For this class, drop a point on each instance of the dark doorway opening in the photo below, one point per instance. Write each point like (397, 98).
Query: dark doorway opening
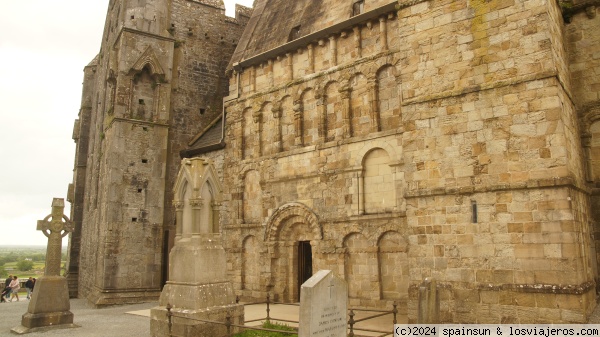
(304, 263)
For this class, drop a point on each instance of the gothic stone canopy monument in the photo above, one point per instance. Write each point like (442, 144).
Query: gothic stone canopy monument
(198, 287)
(50, 307)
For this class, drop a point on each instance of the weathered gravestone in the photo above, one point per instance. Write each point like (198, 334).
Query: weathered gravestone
(429, 303)
(50, 306)
(323, 306)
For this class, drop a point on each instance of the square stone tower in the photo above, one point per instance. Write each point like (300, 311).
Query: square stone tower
(157, 81)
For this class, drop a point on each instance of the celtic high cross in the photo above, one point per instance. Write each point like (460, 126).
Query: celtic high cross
(55, 230)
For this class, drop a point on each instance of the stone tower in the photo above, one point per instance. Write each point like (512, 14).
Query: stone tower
(157, 82)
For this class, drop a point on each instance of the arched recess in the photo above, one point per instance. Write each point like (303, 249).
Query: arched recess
(393, 266)
(250, 264)
(249, 135)
(360, 267)
(388, 98)
(359, 103)
(279, 218)
(290, 230)
(269, 130)
(146, 76)
(379, 190)
(288, 132)
(333, 109)
(197, 198)
(310, 118)
(252, 198)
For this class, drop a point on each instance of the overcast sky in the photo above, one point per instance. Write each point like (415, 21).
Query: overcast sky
(44, 46)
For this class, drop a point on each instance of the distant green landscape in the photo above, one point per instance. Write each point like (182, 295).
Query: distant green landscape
(25, 261)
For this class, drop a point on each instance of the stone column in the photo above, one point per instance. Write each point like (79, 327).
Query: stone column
(333, 50)
(50, 306)
(347, 126)
(586, 142)
(252, 76)
(322, 113)
(271, 74)
(357, 41)
(179, 218)
(298, 122)
(311, 58)
(257, 118)
(383, 34)
(290, 66)
(361, 193)
(372, 87)
(276, 110)
(216, 216)
(196, 216)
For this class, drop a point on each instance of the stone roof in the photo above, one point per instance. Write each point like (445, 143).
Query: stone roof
(273, 20)
(210, 139)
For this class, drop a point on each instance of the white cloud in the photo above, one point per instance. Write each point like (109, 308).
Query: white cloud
(44, 46)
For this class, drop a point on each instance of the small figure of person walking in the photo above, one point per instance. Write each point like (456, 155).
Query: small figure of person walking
(29, 287)
(15, 287)
(7, 285)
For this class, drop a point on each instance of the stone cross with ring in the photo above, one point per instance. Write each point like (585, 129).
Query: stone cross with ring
(55, 230)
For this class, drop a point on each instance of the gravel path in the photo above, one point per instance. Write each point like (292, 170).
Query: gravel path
(112, 321)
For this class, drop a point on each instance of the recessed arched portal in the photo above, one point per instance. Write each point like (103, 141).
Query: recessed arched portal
(294, 233)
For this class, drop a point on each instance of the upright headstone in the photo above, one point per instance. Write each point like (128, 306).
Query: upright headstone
(429, 303)
(323, 306)
(50, 306)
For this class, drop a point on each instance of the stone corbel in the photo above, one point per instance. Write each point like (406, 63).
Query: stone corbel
(590, 11)
(178, 205)
(276, 110)
(256, 116)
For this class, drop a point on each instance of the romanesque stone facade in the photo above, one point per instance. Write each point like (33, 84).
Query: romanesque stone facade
(391, 141)
(156, 83)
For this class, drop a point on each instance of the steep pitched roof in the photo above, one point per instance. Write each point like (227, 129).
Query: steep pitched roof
(272, 21)
(209, 139)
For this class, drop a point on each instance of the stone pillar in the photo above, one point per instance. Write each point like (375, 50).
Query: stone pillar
(357, 41)
(271, 74)
(361, 193)
(586, 142)
(372, 87)
(333, 50)
(298, 122)
(50, 306)
(322, 112)
(179, 218)
(252, 76)
(276, 110)
(311, 58)
(347, 126)
(196, 205)
(290, 66)
(383, 34)
(429, 303)
(257, 118)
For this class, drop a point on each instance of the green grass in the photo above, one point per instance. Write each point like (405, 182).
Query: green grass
(267, 325)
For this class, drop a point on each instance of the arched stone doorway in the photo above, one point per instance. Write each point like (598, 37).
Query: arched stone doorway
(292, 235)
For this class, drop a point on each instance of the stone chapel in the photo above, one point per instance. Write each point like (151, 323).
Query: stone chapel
(387, 141)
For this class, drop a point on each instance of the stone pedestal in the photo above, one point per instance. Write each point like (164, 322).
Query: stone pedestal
(50, 311)
(198, 289)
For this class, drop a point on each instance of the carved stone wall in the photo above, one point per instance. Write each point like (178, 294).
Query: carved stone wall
(426, 139)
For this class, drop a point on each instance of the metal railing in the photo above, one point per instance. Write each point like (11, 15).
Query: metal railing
(351, 321)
